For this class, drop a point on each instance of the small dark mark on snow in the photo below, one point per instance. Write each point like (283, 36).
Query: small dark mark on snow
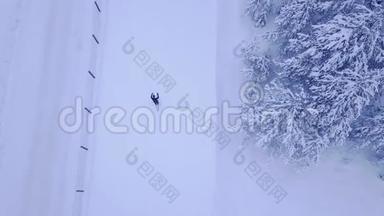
(97, 6)
(85, 148)
(89, 111)
(93, 76)
(94, 37)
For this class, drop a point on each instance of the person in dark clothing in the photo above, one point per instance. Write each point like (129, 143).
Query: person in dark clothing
(155, 99)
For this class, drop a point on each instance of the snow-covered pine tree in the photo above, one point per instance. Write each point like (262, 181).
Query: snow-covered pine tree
(260, 11)
(258, 67)
(368, 131)
(282, 125)
(330, 69)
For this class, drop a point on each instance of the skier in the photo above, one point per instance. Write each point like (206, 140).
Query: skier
(155, 99)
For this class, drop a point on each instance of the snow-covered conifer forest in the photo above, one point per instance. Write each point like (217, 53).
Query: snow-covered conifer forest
(323, 75)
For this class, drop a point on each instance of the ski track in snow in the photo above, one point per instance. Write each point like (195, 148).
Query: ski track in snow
(48, 69)
(10, 26)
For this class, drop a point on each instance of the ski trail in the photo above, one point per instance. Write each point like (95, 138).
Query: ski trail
(86, 158)
(48, 70)
(9, 33)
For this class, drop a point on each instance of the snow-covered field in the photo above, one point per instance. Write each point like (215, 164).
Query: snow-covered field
(48, 58)
(186, 51)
